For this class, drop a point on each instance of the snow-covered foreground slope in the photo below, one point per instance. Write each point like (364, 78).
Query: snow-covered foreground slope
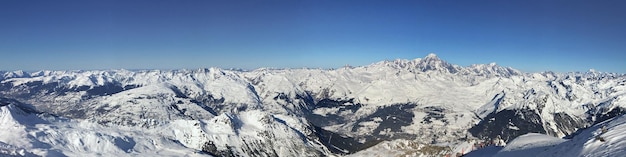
(529, 145)
(390, 106)
(603, 139)
(595, 141)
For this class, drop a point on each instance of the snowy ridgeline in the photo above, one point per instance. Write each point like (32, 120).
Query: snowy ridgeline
(415, 107)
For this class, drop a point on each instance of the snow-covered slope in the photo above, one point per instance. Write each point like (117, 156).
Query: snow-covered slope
(603, 139)
(425, 102)
(530, 144)
(253, 132)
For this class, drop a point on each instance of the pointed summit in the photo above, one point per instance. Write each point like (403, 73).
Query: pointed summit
(432, 63)
(432, 56)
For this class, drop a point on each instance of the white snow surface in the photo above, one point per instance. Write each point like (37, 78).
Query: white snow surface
(588, 143)
(156, 112)
(26, 133)
(585, 144)
(530, 144)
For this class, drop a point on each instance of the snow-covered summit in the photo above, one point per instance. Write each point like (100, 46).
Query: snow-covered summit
(492, 69)
(14, 74)
(429, 63)
(432, 63)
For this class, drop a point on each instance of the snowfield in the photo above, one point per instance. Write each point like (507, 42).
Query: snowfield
(420, 107)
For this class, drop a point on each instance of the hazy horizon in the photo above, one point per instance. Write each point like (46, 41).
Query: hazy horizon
(277, 68)
(531, 36)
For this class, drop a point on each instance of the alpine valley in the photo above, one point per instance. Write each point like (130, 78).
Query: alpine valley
(420, 107)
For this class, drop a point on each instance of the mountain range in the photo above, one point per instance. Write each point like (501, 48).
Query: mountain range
(420, 107)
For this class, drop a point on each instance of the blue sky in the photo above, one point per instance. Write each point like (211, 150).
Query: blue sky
(165, 34)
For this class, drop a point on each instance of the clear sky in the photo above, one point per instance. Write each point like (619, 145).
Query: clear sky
(532, 36)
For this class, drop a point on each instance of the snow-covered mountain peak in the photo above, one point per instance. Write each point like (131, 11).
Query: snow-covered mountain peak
(492, 69)
(14, 113)
(8, 112)
(15, 74)
(433, 63)
(212, 70)
(431, 55)
(429, 63)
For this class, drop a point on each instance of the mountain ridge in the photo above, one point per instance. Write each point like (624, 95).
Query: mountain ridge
(427, 101)
(430, 62)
